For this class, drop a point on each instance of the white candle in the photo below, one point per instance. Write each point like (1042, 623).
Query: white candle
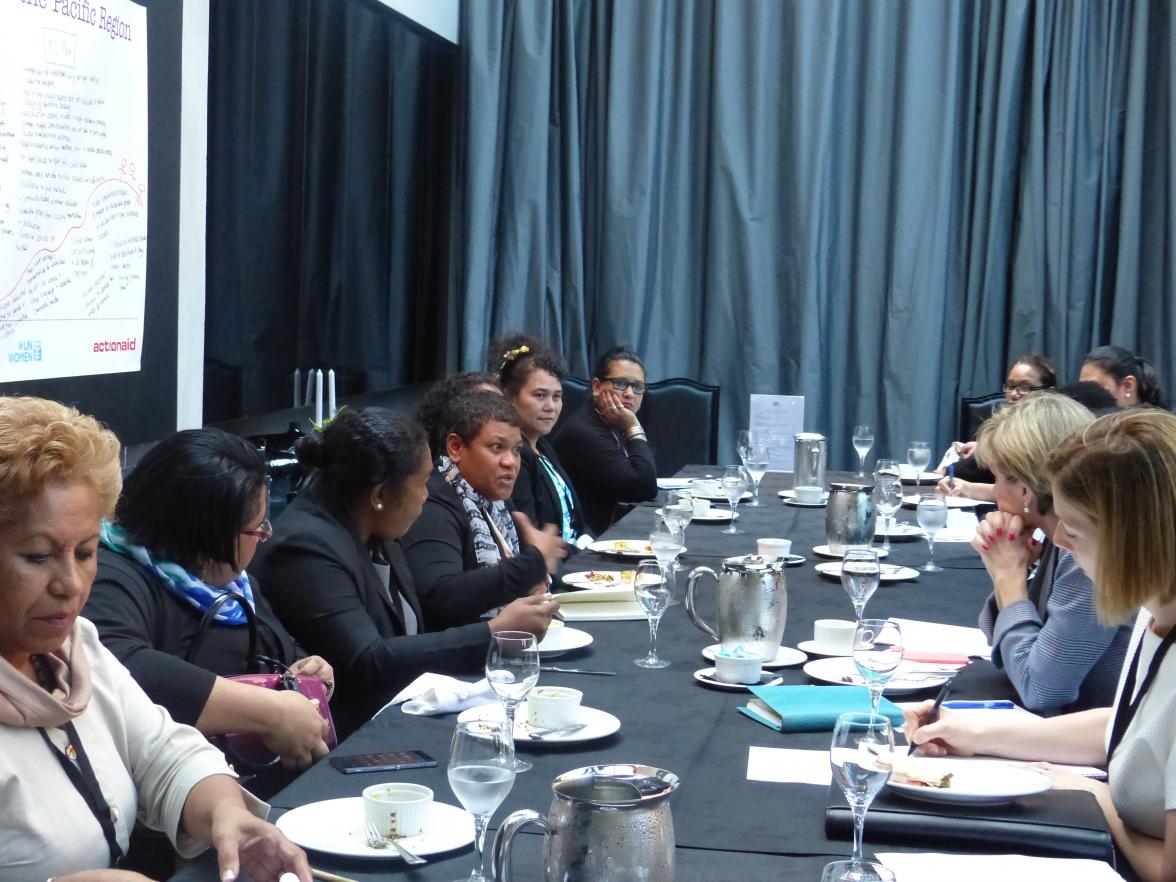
(318, 397)
(297, 384)
(331, 393)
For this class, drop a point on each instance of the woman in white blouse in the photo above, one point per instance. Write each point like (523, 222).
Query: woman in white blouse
(1114, 490)
(83, 751)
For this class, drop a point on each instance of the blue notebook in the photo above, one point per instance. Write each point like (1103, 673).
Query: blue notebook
(812, 708)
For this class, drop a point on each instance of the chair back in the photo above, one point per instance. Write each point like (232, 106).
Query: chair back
(576, 392)
(974, 411)
(681, 418)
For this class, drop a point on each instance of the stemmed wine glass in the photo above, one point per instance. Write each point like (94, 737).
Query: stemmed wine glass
(743, 444)
(918, 457)
(756, 463)
(512, 669)
(888, 500)
(861, 754)
(680, 506)
(863, 440)
(886, 470)
(931, 514)
(665, 539)
(877, 653)
(651, 587)
(860, 575)
(481, 774)
(734, 486)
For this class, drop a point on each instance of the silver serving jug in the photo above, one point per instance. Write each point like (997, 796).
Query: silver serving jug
(808, 475)
(606, 824)
(752, 602)
(850, 516)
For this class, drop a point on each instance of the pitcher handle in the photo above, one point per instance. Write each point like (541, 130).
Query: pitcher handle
(500, 852)
(690, 605)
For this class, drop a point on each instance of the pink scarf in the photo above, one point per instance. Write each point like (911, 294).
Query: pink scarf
(25, 704)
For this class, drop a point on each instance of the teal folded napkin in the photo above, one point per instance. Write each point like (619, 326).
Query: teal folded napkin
(812, 708)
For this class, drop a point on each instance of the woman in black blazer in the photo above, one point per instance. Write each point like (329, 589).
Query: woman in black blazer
(336, 576)
(531, 378)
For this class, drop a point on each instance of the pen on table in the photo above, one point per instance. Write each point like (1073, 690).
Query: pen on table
(951, 476)
(933, 714)
(1002, 704)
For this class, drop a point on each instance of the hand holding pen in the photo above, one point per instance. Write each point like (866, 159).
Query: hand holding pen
(932, 715)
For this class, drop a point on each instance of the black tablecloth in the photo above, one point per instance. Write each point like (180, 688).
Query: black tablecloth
(726, 826)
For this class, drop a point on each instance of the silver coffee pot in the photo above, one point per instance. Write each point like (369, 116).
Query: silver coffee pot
(752, 603)
(850, 516)
(606, 824)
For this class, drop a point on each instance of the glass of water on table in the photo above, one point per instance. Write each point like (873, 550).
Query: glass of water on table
(861, 755)
(680, 505)
(756, 463)
(877, 653)
(512, 670)
(651, 588)
(860, 575)
(932, 517)
(734, 486)
(919, 457)
(481, 774)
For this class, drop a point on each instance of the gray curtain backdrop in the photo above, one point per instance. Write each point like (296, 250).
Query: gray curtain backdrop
(873, 204)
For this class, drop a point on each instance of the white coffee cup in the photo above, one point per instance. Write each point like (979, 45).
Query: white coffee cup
(809, 495)
(773, 548)
(398, 809)
(701, 507)
(707, 487)
(553, 707)
(738, 668)
(834, 636)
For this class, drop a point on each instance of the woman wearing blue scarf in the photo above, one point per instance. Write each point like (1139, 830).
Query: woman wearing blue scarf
(187, 524)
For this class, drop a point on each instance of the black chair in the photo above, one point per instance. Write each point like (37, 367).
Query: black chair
(576, 392)
(681, 418)
(974, 411)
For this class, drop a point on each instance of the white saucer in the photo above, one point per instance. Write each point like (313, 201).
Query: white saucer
(706, 676)
(812, 647)
(899, 532)
(673, 483)
(712, 516)
(786, 657)
(789, 497)
(826, 551)
(561, 640)
(721, 497)
(598, 723)
(890, 572)
(335, 826)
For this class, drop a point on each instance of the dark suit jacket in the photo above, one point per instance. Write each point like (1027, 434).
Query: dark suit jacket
(535, 494)
(323, 586)
(605, 474)
(453, 589)
(149, 629)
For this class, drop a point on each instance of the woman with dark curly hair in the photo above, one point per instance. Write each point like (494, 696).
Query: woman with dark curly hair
(1131, 379)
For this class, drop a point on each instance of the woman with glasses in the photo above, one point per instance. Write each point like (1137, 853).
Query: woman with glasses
(603, 446)
(189, 520)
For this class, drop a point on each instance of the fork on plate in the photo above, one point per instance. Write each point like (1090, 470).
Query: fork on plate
(376, 839)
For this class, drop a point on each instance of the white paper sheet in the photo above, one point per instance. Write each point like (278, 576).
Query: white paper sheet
(783, 765)
(774, 421)
(932, 637)
(961, 526)
(936, 867)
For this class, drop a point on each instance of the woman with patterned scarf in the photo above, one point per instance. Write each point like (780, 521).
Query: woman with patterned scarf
(187, 524)
(468, 552)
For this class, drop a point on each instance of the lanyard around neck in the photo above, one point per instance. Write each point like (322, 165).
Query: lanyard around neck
(1128, 704)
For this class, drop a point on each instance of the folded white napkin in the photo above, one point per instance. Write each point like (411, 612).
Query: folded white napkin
(431, 694)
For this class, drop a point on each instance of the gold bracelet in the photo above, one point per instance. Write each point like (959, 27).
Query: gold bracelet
(633, 435)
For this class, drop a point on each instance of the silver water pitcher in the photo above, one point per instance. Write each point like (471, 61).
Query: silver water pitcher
(752, 603)
(850, 516)
(606, 824)
(808, 476)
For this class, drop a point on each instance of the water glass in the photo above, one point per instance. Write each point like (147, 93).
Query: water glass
(743, 443)
(886, 472)
(888, 500)
(666, 539)
(651, 588)
(734, 485)
(931, 514)
(877, 653)
(860, 575)
(481, 774)
(861, 754)
(680, 505)
(863, 440)
(512, 670)
(847, 871)
(919, 457)
(756, 464)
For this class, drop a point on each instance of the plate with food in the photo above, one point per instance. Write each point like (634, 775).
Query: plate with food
(622, 547)
(974, 782)
(336, 826)
(590, 579)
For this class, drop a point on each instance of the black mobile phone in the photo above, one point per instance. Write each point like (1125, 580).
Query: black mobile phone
(391, 761)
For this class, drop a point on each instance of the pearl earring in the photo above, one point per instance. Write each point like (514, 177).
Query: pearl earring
(380, 506)
(1026, 509)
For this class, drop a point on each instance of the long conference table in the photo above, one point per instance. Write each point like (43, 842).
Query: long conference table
(726, 826)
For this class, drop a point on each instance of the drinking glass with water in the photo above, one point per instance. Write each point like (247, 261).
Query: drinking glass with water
(481, 774)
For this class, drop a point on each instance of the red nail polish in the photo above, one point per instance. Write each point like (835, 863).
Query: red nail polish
(1000, 531)
(1012, 536)
(985, 547)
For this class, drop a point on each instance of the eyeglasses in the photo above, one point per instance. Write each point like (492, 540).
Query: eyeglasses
(621, 384)
(262, 533)
(1021, 388)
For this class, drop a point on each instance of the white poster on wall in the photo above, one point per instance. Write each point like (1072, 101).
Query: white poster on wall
(775, 422)
(73, 187)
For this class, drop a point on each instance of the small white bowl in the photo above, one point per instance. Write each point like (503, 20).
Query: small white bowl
(398, 809)
(553, 707)
(738, 669)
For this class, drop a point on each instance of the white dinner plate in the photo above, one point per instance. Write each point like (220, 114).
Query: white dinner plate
(713, 516)
(908, 477)
(898, 532)
(812, 647)
(596, 595)
(335, 826)
(786, 657)
(843, 672)
(597, 723)
(977, 782)
(635, 548)
(600, 579)
(720, 497)
(952, 502)
(673, 483)
(560, 640)
(789, 496)
(890, 572)
(706, 676)
(826, 551)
